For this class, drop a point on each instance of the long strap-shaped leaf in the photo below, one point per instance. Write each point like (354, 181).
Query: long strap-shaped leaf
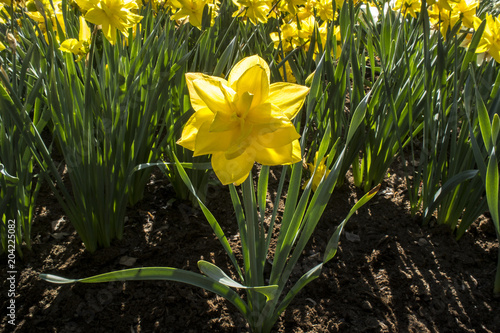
(160, 273)
(218, 275)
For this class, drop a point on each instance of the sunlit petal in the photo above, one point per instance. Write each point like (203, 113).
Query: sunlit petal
(232, 171)
(243, 75)
(193, 126)
(288, 154)
(209, 91)
(211, 142)
(254, 80)
(288, 97)
(277, 138)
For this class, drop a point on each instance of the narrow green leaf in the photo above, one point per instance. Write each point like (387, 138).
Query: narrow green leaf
(492, 188)
(159, 273)
(7, 175)
(495, 128)
(215, 273)
(449, 186)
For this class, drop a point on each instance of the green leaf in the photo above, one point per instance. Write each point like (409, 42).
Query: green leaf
(215, 273)
(6, 175)
(358, 117)
(447, 188)
(159, 273)
(484, 121)
(495, 128)
(492, 188)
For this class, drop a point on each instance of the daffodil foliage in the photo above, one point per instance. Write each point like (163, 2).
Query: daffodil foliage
(243, 120)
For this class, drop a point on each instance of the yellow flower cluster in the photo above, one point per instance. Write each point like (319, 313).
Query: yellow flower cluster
(445, 15)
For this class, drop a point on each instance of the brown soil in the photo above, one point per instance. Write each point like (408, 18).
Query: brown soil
(390, 274)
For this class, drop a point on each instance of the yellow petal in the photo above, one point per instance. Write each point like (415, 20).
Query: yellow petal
(70, 45)
(208, 90)
(251, 75)
(287, 154)
(223, 122)
(96, 16)
(288, 97)
(277, 138)
(85, 5)
(232, 171)
(212, 142)
(84, 34)
(190, 131)
(196, 102)
(267, 114)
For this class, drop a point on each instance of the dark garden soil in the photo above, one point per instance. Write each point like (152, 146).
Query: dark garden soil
(390, 273)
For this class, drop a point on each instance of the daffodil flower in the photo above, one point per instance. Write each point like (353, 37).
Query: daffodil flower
(243, 120)
(111, 15)
(490, 40)
(256, 10)
(321, 171)
(193, 11)
(80, 46)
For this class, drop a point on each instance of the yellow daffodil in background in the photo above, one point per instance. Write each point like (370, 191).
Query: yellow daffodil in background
(322, 8)
(79, 47)
(243, 120)
(52, 11)
(467, 11)
(2, 46)
(490, 40)
(443, 4)
(287, 69)
(443, 19)
(255, 10)
(321, 171)
(3, 13)
(111, 15)
(290, 6)
(192, 10)
(408, 7)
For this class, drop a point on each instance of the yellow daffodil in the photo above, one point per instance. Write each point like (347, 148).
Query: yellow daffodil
(4, 13)
(193, 11)
(2, 46)
(467, 11)
(408, 7)
(321, 171)
(51, 11)
(293, 37)
(289, 77)
(290, 6)
(80, 46)
(243, 120)
(490, 40)
(111, 15)
(255, 10)
(461, 12)
(322, 8)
